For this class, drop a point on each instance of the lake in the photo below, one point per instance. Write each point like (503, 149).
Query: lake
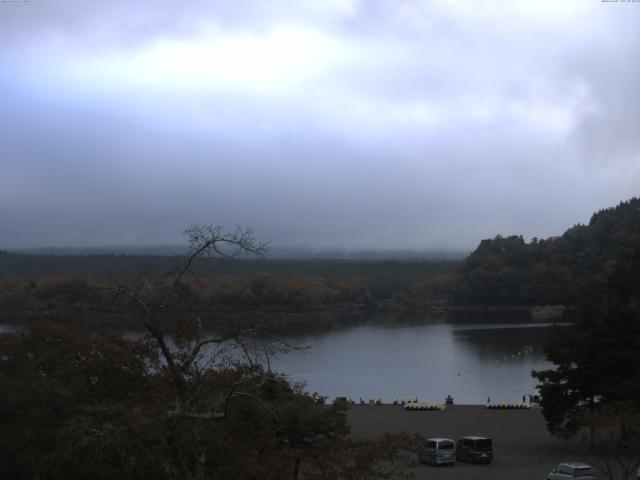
(427, 360)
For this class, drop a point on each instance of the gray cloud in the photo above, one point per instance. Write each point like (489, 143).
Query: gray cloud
(371, 124)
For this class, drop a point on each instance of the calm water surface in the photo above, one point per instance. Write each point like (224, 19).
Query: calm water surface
(427, 360)
(469, 361)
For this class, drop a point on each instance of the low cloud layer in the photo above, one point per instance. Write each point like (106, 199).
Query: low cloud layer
(357, 124)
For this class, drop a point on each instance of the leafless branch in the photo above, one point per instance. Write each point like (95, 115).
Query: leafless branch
(205, 240)
(154, 299)
(195, 351)
(612, 441)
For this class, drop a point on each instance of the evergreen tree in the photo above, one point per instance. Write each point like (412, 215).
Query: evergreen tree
(598, 358)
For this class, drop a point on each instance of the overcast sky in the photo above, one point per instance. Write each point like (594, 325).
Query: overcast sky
(332, 123)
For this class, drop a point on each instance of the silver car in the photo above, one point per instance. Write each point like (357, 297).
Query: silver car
(438, 451)
(571, 470)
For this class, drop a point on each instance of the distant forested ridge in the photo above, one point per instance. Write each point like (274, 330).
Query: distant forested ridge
(571, 269)
(290, 293)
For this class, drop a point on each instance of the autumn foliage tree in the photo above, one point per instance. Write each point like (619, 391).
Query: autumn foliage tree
(179, 403)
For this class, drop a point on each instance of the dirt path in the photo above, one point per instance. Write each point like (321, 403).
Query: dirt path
(523, 449)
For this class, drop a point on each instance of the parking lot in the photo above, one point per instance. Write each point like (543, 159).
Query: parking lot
(523, 449)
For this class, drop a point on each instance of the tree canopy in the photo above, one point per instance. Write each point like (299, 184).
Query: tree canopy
(180, 403)
(597, 359)
(570, 269)
(85, 404)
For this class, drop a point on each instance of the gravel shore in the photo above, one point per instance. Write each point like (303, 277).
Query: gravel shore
(523, 449)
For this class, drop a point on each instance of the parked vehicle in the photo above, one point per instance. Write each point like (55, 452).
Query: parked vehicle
(438, 451)
(572, 470)
(474, 449)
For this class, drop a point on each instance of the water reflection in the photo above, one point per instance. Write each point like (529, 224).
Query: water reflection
(470, 362)
(501, 343)
(424, 358)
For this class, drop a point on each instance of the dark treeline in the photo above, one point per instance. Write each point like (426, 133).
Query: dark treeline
(289, 293)
(119, 267)
(567, 270)
(571, 269)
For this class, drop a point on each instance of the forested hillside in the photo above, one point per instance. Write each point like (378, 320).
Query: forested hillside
(570, 269)
(290, 292)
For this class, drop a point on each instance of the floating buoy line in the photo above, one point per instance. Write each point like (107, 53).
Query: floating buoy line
(418, 406)
(508, 406)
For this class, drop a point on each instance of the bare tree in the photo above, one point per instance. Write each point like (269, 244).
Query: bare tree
(611, 438)
(182, 418)
(156, 299)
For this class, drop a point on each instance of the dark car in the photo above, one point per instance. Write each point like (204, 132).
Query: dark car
(474, 449)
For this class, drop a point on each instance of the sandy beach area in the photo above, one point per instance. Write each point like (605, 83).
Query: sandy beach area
(523, 449)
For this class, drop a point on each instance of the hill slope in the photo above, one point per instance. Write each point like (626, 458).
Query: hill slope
(570, 269)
